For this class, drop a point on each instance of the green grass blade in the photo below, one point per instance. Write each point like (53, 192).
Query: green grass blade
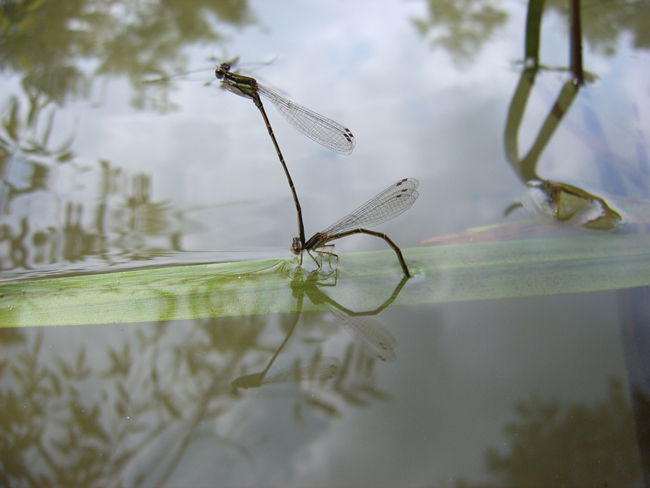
(484, 271)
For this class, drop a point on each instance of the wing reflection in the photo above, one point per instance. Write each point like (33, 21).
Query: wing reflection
(373, 337)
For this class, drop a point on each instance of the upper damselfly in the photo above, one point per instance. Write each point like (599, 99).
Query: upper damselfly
(324, 131)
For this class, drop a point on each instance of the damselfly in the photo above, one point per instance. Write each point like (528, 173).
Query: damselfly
(391, 202)
(325, 131)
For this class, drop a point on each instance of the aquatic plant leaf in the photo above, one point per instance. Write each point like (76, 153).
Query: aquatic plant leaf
(515, 268)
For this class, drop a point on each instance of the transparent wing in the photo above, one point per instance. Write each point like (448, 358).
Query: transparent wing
(324, 131)
(391, 202)
(375, 339)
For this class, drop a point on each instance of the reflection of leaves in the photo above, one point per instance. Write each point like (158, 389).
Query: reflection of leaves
(68, 421)
(46, 42)
(79, 371)
(127, 223)
(22, 134)
(89, 421)
(73, 426)
(603, 23)
(23, 418)
(137, 214)
(24, 142)
(461, 27)
(574, 445)
(120, 361)
(10, 336)
(355, 380)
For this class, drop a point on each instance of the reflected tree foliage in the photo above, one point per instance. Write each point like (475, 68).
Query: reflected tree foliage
(42, 220)
(128, 409)
(578, 444)
(26, 155)
(58, 49)
(605, 22)
(70, 421)
(460, 27)
(463, 27)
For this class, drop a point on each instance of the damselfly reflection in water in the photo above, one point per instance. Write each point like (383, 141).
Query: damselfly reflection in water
(318, 369)
(375, 339)
(391, 202)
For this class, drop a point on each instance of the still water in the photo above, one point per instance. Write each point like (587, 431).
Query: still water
(157, 331)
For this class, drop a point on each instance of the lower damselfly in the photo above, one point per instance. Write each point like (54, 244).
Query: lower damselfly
(391, 202)
(325, 131)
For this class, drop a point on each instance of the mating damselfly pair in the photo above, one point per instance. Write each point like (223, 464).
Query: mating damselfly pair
(388, 204)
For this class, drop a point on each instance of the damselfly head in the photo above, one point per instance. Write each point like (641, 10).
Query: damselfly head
(221, 71)
(296, 246)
